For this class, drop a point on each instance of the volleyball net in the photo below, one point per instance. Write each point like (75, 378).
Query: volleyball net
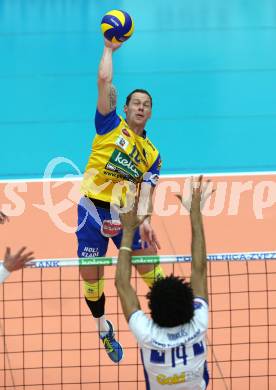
(49, 339)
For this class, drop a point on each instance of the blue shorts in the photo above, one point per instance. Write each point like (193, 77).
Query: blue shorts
(92, 241)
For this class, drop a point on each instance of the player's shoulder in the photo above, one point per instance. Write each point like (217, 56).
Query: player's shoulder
(105, 123)
(201, 313)
(150, 145)
(140, 325)
(136, 316)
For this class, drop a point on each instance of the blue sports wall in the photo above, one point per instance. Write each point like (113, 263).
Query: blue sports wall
(210, 67)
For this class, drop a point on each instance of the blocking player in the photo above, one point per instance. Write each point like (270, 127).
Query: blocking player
(122, 156)
(172, 341)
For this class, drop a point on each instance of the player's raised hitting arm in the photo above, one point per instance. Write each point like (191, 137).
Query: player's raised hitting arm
(106, 91)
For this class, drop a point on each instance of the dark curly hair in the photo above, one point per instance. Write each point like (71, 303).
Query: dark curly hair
(171, 301)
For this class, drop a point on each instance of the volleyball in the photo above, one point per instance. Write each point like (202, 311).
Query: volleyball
(117, 26)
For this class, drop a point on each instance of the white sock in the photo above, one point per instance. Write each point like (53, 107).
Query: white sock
(102, 325)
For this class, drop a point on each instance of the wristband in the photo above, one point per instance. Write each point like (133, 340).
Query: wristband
(4, 273)
(125, 248)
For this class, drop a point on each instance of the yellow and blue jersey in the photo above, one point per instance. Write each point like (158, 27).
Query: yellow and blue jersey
(118, 156)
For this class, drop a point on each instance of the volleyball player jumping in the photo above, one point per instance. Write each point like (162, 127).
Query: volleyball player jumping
(121, 156)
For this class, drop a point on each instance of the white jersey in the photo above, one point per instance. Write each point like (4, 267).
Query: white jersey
(173, 358)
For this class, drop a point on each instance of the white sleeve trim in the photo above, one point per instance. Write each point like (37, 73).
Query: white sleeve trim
(4, 273)
(202, 299)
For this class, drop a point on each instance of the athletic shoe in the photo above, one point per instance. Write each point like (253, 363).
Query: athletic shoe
(112, 346)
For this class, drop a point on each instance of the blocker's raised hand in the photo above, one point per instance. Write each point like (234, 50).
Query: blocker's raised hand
(199, 193)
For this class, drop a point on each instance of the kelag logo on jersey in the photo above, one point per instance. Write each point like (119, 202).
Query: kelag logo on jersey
(120, 162)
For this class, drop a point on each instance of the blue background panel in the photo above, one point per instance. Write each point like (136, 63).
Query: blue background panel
(210, 67)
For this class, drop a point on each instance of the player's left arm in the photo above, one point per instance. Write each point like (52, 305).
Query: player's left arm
(146, 204)
(145, 208)
(200, 192)
(128, 297)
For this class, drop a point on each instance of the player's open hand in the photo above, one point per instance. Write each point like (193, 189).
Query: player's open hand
(129, 218)
(3, 218)
(17, 261)
(199, 192)
(148, 235)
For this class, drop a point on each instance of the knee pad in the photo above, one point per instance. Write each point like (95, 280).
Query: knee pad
(93, 291)
(150, 277)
